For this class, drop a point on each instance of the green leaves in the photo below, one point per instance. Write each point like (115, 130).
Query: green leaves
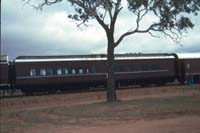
(169, 12)
(133, 5)
(172, 15)
(184, 22)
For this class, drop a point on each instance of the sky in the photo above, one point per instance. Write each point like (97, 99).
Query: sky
(27, 31)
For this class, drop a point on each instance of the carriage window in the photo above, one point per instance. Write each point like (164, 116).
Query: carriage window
(65, 71)
(155, 67)
(59, 71)
(32, 72)
(119, 69)
(188, 66)
(49, 71)
(87, 70)
(90, 70)
(80, 71)
(43, 72)
(145, 67)
(73, 71)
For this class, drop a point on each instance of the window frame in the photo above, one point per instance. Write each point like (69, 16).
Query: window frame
(59, 71)
(43, 72)
(65, 71)
(80, 71)
(32, 72)
(49, 71)
(73, 71)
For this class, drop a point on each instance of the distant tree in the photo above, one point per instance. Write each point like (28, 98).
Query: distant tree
(172, 19)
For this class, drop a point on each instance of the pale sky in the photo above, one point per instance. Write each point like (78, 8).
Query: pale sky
(26, 31)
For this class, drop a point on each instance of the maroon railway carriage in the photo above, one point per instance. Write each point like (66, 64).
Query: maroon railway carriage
(36, 72)
(52, 72)
(189, 66)
(146, 69)
(4, 80)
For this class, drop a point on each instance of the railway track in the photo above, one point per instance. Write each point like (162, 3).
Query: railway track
(21, 103)
(18, 93)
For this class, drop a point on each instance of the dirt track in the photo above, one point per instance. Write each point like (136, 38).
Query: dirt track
(184, 124)
(168, 109)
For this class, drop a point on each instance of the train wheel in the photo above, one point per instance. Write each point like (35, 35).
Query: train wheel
(27, 92)
(52, 91)
(9, 92)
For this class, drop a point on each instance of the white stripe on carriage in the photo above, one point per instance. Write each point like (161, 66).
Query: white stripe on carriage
(69, 75)
(188, 55)
(72, 75)
(154, 71)
(91, 59)
(192, 73)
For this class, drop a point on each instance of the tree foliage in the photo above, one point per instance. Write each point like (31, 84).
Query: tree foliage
(172, 19)
(172, 14)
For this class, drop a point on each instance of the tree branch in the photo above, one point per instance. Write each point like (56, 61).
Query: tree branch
(109, 9)
(174, 37)
(46, 2)
(101, 22)
(151, 27)
(116, 12)
(153, 34)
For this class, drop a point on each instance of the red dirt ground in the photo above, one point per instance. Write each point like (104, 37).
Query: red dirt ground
(183, 123)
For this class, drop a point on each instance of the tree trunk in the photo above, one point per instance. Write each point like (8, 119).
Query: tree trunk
(111, 93)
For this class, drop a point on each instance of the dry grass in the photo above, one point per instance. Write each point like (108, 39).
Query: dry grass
(88, 114)
(88, 109)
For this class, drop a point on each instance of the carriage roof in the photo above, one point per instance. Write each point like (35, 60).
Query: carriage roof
(91, 57)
